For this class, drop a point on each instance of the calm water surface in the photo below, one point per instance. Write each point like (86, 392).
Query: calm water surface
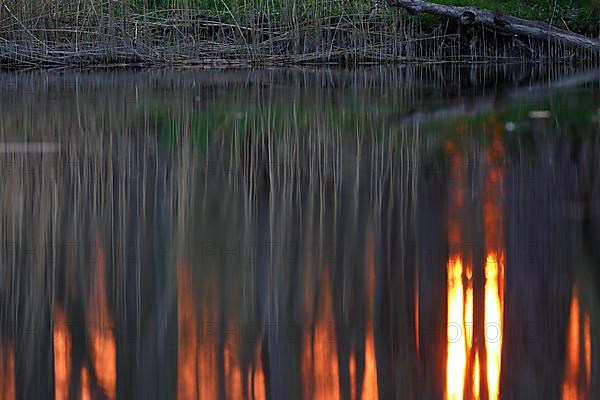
(411, 233)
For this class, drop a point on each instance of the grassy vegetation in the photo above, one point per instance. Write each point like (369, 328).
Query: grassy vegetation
(38, 32)
(576, 15)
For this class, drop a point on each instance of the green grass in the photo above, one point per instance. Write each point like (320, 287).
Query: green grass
(575, 15)
(38, 32)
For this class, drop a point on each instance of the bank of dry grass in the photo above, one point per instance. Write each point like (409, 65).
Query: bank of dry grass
(239, 32)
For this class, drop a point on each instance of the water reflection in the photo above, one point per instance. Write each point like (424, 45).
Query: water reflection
(94, 375)
(304, 234)
(494, 262)
(459, 343)
(7, 372)
(576, 382)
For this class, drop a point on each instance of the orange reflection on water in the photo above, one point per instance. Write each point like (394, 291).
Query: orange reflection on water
(570, 390)
(476, 377)
(460, 302)
(456, 351)
(204, 347)
(256, 378)
(369, 387)
(574, 386)
(494, 262)
(352, 374)
(186, 328)
(99, 327)
(103, 348)
(493, 325)
(319, 356)
(62, 356)
(456, 361)
(7, 372)
(198, 351)
(233, 373)
(196, 369)
(468, 323)
(587, 350)
(85, 384)
(417, 315)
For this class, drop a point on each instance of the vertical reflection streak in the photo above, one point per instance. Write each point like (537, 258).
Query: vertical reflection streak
(186, 325)
(7, 372)
(493, 326)
(576, 384)
(476, 377)
(86, 393)
(494, 262)
(256, 378)
(588, 351)
(370, 388)
(198, 352)
(417, 316)
(103, 347)
(233, 373)
(206, 359)
(468, 324)
(319, 359)
(457, 359)
(325, 361)
(569, 389)
(62, 356)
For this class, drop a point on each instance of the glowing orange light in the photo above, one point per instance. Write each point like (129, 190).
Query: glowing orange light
(85, 384)
(207, 346)
(370, 387)
(352, 373)
(103, 351)
(493, 326)
(494, 263)
(569, 391)
(206, 365)
(369, 379)
(417, 316)
(7, 372)
(233, 373)
(198, 354)
(468, 324)
(319, 359)
(456, 362)
(476, 378)
(186, 327)
(62, 356)
(456, 356)
(587, 350)
(256, 378)
(574, 387)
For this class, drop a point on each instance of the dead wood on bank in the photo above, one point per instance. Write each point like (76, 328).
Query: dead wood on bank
(498, 22)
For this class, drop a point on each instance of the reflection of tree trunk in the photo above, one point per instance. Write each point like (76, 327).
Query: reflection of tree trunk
(478, 105)
(499, 22)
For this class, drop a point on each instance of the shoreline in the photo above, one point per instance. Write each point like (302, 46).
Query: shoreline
(174, 38)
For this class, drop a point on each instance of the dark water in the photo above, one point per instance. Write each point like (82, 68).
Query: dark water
(412, 233)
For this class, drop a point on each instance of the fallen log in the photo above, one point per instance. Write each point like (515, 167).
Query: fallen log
(498, 21)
